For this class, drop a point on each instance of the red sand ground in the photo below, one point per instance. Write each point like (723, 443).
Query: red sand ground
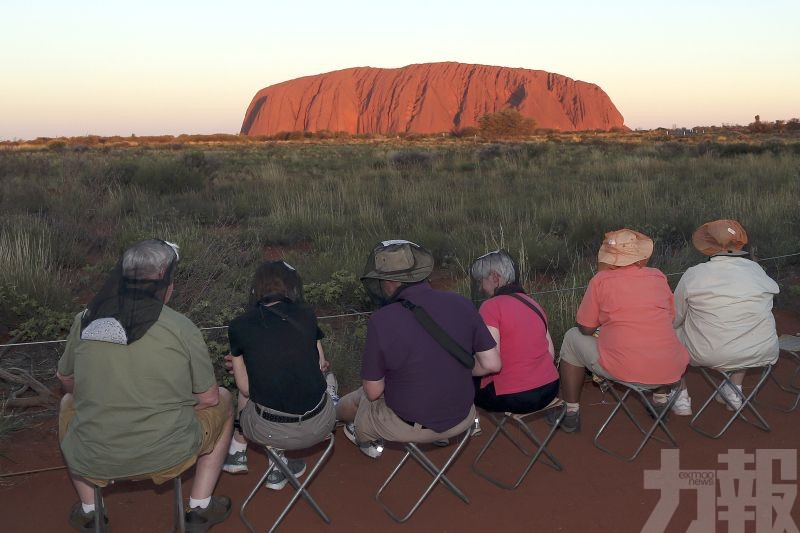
(595, 492)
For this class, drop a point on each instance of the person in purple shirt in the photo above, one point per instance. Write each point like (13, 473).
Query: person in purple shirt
(413, 389)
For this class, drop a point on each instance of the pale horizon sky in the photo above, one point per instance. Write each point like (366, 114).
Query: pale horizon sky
(150, 68)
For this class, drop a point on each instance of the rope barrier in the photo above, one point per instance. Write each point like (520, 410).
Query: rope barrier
(362, 313)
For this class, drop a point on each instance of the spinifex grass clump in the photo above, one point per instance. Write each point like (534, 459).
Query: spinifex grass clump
(66, 216)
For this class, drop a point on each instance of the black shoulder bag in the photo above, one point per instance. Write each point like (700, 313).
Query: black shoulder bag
(440, 335)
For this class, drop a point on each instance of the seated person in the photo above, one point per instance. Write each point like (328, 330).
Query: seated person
(723, 309)
(413, 389)
(277, 364)
(633, 309)
(528, 380)
(142, 401)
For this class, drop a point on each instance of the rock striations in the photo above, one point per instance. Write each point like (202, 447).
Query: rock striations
(426, 98)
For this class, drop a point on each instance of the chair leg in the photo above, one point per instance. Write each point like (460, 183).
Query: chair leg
(539, 446)
(99, 511)
(658, 421)
(249, 497)
(747, 402)
(438, 476)
(180, 517)
(791, 387)
(300, 488)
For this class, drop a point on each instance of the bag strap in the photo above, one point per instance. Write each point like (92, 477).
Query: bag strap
(286, 318)
(533, 307)
(440, 335)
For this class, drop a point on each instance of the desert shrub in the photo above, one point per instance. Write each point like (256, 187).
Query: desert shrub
(411, 159)
(164, 176)
(31, 320)
(344, 289)
(505, 124)
(461, 133)
(56, 146)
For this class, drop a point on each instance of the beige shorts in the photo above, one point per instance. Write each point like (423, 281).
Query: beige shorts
(376, 420)
(287, 435)
(212, 421)
(581, 350)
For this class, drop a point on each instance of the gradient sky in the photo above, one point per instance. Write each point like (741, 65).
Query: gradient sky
(116, 68)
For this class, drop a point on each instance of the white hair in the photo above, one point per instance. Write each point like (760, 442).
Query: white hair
(148, 259)
(497, 261)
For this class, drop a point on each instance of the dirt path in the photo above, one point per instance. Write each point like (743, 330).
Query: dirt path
(595, 492)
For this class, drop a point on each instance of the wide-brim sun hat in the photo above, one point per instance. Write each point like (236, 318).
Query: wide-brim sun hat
(624, 247)
(398, 260)
(720, 237)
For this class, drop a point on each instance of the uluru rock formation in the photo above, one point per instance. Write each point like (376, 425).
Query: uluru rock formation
(426, 98)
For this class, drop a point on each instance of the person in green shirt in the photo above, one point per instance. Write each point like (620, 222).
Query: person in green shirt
(141, 398)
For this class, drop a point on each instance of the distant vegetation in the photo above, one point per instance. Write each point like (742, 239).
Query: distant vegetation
(66, 214)
(505, 124)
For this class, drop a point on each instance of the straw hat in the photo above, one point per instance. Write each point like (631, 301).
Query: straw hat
(624, 247)
(720, 237)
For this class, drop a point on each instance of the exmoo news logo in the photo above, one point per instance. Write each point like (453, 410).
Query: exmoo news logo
(748, 492)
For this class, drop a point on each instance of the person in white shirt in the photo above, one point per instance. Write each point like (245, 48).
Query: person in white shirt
(723, 309)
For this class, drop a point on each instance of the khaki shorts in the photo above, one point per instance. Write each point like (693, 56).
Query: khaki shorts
(376, 420)
(581, 350)
(288, 435)
(212, 421)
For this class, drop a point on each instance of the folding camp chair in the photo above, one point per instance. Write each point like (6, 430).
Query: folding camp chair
(659, 416)
(790, 345)
(540, 447)
(747, 401)
(99, 508)
(276, 461)
(413, 451)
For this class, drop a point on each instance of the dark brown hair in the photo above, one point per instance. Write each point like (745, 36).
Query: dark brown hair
(276, 278)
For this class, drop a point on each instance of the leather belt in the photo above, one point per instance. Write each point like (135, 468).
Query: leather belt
(272, 417)
(410, 423)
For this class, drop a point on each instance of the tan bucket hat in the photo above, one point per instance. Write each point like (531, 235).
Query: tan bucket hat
(398, 260)
(720, 237)
(624, 247)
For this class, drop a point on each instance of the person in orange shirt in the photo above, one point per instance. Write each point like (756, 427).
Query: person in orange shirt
(624, 325)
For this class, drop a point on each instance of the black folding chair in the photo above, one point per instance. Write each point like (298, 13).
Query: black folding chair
(413, 451)
(300, 488)
(658, 416)
(738, 412)
(99, 508)
(540, 446)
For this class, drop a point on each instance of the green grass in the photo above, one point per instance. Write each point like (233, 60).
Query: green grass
(65, 216)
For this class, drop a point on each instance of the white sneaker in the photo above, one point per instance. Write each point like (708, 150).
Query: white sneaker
(372, 449)
(333, 387)
(683, 405)
(731, 399)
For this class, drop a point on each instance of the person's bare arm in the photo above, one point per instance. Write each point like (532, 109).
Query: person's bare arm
(240, 376)
(487, 362)
(67, 382)
(324, 364)
(373, 389)
(586, 330)
(207, 399)
(550, 347)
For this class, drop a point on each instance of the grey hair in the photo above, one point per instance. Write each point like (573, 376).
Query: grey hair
(149, 260)
(497, 261)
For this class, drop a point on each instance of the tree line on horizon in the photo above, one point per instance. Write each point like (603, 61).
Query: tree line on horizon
(506, 124)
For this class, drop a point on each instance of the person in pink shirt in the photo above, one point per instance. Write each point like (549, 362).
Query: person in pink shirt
(528, 380)
(624, 325)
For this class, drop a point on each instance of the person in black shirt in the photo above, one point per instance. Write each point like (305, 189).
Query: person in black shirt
(278, 364)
